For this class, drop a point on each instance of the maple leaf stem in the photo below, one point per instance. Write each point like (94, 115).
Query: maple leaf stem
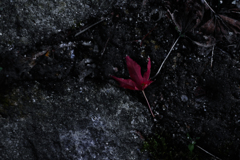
(166, 57)
(148, 103)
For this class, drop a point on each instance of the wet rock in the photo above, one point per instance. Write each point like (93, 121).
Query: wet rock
(71, 99)
(72, 124)
(27, 22)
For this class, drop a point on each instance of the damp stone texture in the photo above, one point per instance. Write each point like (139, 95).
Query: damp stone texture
(72, 121)
(24, 22)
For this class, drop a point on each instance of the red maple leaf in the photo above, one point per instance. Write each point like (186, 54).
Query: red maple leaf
(137, 81)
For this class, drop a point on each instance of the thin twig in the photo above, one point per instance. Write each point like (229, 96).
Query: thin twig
(208, 152)
(148, 103)
(166, 58)
(209, 6)
(212, 56)
(89, 27)
(105, 46)
(179, 28)
(202, 44)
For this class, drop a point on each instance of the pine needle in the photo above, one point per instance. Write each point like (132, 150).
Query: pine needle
(88, 27)
(166, 57)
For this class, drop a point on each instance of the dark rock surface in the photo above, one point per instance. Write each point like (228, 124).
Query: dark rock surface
(72, 121)
(43, 111)
(27, 22)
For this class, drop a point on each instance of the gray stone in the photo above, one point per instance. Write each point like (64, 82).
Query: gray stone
(25, 22)
(72, 121)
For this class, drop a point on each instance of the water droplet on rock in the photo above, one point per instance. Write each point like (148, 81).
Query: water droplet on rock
(184, 98)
